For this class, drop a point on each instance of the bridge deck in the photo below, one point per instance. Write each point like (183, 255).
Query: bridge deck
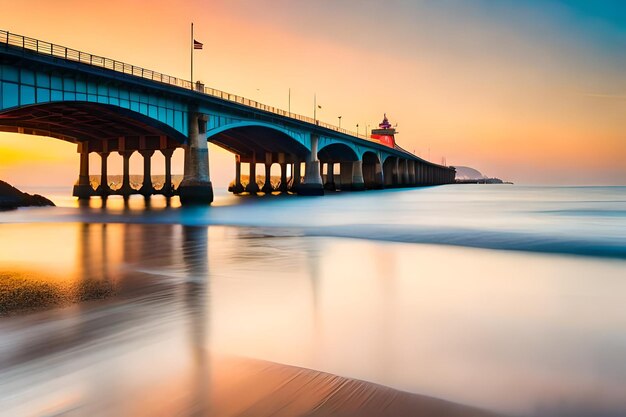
(70, 54)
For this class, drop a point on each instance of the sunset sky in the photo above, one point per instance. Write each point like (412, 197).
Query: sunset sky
(529, 91)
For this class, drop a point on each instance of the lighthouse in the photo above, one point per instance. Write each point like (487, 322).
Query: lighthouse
(385, 134)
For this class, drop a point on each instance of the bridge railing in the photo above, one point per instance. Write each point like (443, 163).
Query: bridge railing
(70, 54)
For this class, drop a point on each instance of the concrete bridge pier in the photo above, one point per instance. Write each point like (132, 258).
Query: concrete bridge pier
(312, 184)
(345, 176)
(238, 187)
(196, 187)
(412, 181)
(330, 177)
(372, 172)
(252, 186)
(103, 189)
(146, 188)
(284, 185)
(126, 190)
(380, 178)
(405, 173)
(82, 188)
(358, 184)
(396, 173)
(168, 189)
(267, 184)
(296, 175)
(284, 182)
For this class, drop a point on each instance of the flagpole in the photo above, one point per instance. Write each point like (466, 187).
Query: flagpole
(192, 55)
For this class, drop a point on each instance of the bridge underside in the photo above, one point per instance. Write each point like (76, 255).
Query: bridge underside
(337, 152)
(83, 121)
(256, 141)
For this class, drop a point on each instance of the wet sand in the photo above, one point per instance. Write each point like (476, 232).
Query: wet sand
(278, 390)
(247, 387)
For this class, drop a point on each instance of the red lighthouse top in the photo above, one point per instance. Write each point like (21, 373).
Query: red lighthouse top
(385, 134)
(385, 123)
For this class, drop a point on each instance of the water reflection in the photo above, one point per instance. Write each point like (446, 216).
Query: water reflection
(150, 311)
(195, 256)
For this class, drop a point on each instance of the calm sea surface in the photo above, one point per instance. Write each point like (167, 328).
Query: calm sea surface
(508, 298)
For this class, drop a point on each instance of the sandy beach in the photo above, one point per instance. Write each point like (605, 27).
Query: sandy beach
(265, 389)
(247, 387)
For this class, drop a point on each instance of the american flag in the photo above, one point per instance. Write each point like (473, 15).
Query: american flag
(196, 44)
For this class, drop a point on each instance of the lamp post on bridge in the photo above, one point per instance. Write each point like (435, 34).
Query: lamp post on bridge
(339, 117)
(315, 107)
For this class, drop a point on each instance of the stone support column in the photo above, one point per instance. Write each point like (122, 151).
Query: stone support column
(412, 173)
(405, 173)
(146, 188)
(330, 177)
(312, 184)
(82, 188)
(126, 190)
(196, 187)
(252, 186)
(267, 184)
(238, 187)
(297, 177)
(379, 176)
(167, 189)
(345, 176)
(358, 184)
(284, 186)
(397, 178)
(104, 190)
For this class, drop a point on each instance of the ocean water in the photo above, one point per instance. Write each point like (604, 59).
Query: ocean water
(504, 297)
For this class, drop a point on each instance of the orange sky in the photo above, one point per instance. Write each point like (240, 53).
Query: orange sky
(521, 91)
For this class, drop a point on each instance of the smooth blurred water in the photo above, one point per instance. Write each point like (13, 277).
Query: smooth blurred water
(398, 287)
(573, 220)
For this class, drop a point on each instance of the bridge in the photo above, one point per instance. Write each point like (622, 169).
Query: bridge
(106, 106)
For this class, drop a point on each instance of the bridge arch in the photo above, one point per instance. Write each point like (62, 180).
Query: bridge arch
(254, 140)
(343, 154)
(337, 152)
(80, 121)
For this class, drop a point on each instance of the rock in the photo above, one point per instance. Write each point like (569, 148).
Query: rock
(11, 197)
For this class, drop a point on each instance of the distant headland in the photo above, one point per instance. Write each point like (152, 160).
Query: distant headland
(11, 198)
(467, 175)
